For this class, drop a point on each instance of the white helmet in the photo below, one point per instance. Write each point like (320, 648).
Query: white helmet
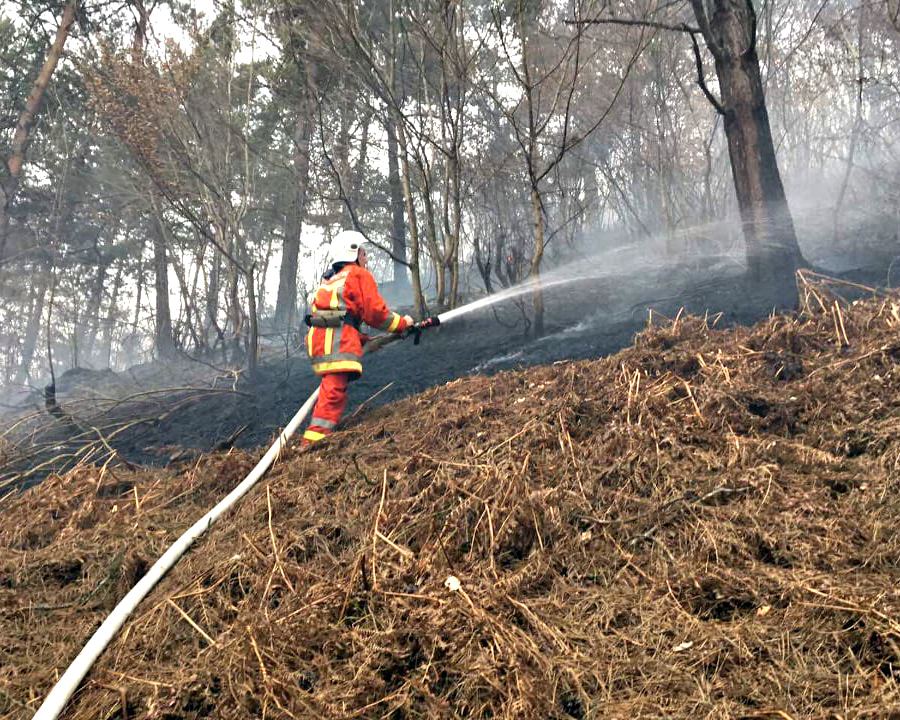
(345, 246)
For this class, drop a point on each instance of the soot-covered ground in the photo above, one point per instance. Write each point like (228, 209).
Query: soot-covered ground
(160, 414)
(702, 525)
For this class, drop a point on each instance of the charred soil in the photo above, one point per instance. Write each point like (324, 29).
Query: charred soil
(703, 525)
(172, 412)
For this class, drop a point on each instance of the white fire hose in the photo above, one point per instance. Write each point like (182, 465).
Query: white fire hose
(65, 687)
(68, 683)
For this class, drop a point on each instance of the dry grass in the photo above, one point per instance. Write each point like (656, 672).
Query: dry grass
(704, 525)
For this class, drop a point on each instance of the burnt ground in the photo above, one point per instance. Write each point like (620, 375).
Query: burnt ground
(161, 413)
(172, 413)
(701, 525)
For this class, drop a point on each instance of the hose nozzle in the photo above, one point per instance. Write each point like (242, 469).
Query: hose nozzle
(428, 322)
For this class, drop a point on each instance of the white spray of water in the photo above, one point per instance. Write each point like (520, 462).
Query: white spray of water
(508, 294)
(610, 264)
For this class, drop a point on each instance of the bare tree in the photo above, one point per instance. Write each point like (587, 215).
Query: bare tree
(286, 302)
(444, 63)
(165, 345)
(372, 57)
(858, 121)
(38, 296)
(9, 185)
(186, 123)
(542, 118)
(729, 28)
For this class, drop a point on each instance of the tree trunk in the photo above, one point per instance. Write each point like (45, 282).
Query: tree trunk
(398, 231)
(709, 204)
(196, 301)
(253, 330)
(531, 163)
(347, 105)
(90, 322)
(484, 266)
(395, 182)
(456, 229)
(110, 321)
(418, 304)
(435, 253)
(286, 304)
(140, 290)
(9, 186)
(165, 346)
(444, 299)
(437, 260)
(857, 127)
(188, 310)
(212, 296)
(31, 330)
(772, 247)
(73, 359)
(263, 272)
(359, 169)
(234, 313)
(773, 254)
(537, 255)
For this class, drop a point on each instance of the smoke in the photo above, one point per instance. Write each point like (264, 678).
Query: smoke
(860, 229)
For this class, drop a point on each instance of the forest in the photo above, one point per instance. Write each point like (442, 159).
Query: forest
(172, 172)
(645, 461)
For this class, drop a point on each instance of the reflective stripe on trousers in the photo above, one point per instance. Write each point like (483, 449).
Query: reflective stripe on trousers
(329, 406)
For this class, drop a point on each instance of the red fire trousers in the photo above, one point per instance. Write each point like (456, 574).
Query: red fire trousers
(329, 406)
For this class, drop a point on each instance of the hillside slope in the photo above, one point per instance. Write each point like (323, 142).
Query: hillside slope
(703, 525)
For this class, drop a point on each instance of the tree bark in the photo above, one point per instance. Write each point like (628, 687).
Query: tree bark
(431, 242)
(165, 346)
(484, 266)
(253, 333)
(140, 289)
(532, 161)
(90, 322)
(857, 127)
(189, 311)
(212, 296)
(109, 322)
(341, 152)
(395, 182)
(418, 305)
(456, 228)
(536, 257)
(359, 169)
(398, 230)
(234, 311)
(773, 254)
(9, 186)
(31, 330)
(286, 303)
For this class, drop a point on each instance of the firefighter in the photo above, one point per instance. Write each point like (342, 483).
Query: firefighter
(347, 298)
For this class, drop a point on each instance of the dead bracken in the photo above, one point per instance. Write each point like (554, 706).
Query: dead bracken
(703, 525)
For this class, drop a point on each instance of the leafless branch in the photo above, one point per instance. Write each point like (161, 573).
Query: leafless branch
(751, 11)
(343, 195)
(701, 80)
(705, 29)
(633, 22)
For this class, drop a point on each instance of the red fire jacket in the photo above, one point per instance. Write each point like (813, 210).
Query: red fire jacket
(339, 349)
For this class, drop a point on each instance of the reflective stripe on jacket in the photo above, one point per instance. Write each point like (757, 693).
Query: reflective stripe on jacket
(339, 349)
